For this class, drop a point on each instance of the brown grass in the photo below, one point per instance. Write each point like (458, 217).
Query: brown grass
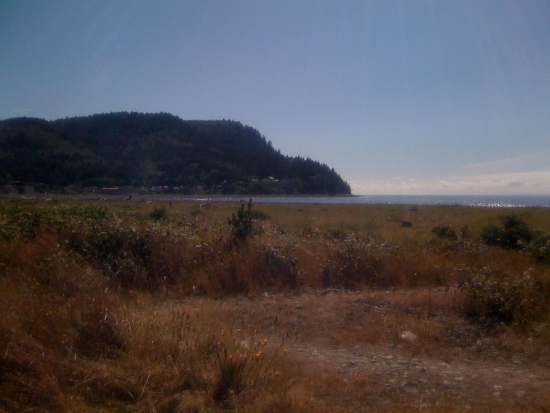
(119, 312)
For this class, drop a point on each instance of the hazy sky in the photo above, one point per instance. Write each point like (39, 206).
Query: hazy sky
(400, 97)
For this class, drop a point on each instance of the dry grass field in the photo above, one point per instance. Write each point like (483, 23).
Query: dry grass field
(128, 306)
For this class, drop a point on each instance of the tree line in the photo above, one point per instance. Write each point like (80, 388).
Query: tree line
(137, 149)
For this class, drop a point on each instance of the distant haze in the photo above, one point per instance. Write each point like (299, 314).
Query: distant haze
(399, 97)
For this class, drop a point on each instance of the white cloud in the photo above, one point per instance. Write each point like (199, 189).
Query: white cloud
(524, 163)
(518, 183)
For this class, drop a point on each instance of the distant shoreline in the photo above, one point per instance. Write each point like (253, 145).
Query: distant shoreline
(494, 201)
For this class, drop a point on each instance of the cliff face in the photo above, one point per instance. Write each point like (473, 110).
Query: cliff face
(156, 149)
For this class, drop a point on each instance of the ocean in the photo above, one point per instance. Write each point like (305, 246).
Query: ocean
(502, 201)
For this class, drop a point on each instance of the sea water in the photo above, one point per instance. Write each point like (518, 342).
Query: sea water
(464, 200)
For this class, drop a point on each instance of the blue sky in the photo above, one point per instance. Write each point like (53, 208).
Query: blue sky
(400, 97)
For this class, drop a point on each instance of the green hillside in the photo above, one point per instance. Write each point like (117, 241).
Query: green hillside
(144, 150)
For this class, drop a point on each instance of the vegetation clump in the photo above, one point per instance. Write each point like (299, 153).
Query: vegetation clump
(242, 224)
(445, 232)
(496, 298)
(513, 234)
(159, 214)
(539, 246)
(516, 234)
(20, 224)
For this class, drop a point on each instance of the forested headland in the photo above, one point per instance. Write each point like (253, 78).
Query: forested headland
(137, 150)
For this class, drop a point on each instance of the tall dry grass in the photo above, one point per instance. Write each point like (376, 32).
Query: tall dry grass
(70, 343)
(86, 322)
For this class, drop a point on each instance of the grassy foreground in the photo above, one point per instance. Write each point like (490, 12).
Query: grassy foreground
(129, 306)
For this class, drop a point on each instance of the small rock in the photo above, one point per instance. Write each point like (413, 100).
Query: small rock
(459, 378)
(498, 388)
(408, 336)
(410, 390)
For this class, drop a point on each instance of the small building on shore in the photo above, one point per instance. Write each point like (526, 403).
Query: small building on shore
(110, 191)
(28, 189)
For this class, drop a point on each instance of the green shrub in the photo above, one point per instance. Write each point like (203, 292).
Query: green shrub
(242, 224)
(496, 298)
(337, 233)
(445, 232)
(20, 224)
(159, 214)
(260, 215)
(122, 251)
(513, 234)
(540, 246)
(351, 266)
(89, 211)
(492, 235)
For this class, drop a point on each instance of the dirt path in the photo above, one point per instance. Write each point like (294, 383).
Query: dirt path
(424, 379)
(358, 337)
(474, 372)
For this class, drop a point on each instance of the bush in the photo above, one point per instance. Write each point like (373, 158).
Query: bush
(279, 269)
(351, 267)
(20, 224)
(513, 234)
(88, 211)
(260, 215)
(540, 246)
(445, 232)
(495, 298)
(159, 214)
(251, 267)
(123, 252)
(242, 223)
